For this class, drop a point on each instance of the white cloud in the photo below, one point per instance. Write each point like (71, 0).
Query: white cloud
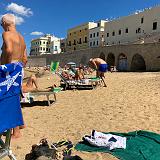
(19, 9)
(19, 20)
(36, 33)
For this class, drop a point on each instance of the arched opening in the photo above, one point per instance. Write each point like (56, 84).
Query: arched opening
(122, 62)
(138, 63)
(111, 59)
(102, 56)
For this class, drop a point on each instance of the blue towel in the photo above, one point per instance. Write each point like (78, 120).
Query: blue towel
(10, 87)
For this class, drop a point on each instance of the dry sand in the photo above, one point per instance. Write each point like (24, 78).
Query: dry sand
(130, 102)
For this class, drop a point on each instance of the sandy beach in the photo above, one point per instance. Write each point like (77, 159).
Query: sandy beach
(129, 102)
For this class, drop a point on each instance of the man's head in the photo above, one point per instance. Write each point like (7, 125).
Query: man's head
(8, 20)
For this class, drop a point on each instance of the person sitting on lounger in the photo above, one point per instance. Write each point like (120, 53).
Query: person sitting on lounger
(79, 75)
(32, 85)
(100, 66)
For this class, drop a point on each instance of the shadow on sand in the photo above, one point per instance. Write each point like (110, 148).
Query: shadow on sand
(36, 103)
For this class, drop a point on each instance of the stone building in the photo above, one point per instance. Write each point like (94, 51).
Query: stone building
(77, 37)
(46, 44)
(133, 28)
(96, 35)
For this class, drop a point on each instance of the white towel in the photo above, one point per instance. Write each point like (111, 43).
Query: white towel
(106, 140)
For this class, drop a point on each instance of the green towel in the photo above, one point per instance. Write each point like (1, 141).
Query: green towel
(54, 66)
(141, 145)
(57, 89)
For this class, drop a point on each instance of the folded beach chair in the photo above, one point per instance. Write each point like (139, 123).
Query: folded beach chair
(54, 67)
(10, 109)
(30, 96)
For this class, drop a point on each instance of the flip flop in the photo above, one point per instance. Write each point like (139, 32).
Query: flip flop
(68, 150)
(61, 143)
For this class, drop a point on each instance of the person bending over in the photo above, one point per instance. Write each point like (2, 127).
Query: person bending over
(100, 66)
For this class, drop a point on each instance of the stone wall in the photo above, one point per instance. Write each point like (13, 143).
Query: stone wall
(135, 54)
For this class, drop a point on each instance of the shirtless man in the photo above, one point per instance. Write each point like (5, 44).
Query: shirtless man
(100, 66)
(13, 49)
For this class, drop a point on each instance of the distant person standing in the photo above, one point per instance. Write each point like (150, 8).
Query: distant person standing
(13, 49)
(100, 66)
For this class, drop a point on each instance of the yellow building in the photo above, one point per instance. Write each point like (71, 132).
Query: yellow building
(77, 37)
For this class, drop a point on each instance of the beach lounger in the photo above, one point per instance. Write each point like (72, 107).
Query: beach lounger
(75, 84)
(29, 97)
(10, 109)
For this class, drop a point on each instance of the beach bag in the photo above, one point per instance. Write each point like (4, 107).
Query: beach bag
(42, 151)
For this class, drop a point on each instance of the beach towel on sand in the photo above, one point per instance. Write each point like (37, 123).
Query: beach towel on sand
(141, 145)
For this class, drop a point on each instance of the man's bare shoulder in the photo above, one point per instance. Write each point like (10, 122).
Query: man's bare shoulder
(6, 34)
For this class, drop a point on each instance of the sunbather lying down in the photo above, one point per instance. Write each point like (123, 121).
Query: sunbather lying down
(32, 85)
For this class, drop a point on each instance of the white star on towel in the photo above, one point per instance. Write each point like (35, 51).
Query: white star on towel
(3, 67)
(10, 81)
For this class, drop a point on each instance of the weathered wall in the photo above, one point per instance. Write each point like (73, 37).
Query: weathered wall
(148, 52)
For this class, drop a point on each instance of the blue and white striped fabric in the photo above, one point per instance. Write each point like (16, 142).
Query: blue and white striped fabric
(10, 87)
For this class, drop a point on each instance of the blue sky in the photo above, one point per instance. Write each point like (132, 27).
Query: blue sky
(56, 16)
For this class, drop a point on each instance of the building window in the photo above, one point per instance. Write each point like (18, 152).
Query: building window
(74, 48)
(40, 42)
(97, 43)
(90, 43)
(47, 49)
(154, 25)
(107, 34)
(94, 43)
(113, 33)
(139, 30)
(44, 42)
(126, 30)
(97, 34)
(94, 34)
(119, 32)
(55, 48)
(47, 42)
(90, 35)
(85, 40)
(43, 49)
(70, 34)
(69, 43)
(142, 20)
(102, 35)
(80, 30)
(74, 42)
(98, 25)
(80, 41)
(119, 42)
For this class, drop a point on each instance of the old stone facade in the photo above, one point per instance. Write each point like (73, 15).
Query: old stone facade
(134, 57)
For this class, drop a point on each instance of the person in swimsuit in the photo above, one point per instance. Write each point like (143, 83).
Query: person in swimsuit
(13, 49)
(100, 66)
(32, 85)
